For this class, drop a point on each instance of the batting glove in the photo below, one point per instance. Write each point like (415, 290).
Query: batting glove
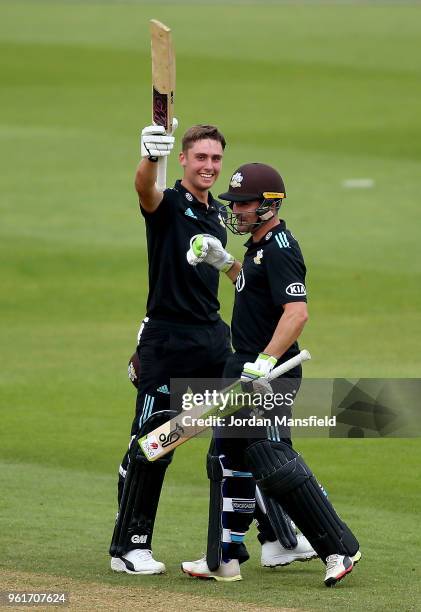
(256, 373)
(208, 249)
(155, 143)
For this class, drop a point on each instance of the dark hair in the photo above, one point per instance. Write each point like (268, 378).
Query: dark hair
(200, 132)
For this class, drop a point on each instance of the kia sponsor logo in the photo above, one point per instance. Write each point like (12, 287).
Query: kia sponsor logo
(296, 289)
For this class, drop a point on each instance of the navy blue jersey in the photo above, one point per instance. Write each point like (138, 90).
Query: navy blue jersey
(273, 274)
(177, 291)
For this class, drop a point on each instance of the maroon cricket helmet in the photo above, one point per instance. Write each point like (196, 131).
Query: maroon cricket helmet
(255, 181)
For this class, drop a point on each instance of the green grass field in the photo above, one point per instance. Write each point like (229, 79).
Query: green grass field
(326, 92)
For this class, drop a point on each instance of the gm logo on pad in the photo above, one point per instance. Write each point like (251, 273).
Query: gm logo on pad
(296, 289)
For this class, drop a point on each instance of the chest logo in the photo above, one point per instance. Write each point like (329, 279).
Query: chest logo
(189, 197)
(296, 289)
(240, 282)
(236, 180)
(221, 220)
(268, 235)
(190, 213)
(259, 257)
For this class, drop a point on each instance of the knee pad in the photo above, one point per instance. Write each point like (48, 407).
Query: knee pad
(141, 492)
(277, 467)
(283, 475)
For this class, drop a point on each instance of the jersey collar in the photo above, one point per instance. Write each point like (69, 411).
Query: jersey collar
(190, 198)
(268, 236)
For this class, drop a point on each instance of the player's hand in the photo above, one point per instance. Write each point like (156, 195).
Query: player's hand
(155, 143)
(208, 249)
(257, 372)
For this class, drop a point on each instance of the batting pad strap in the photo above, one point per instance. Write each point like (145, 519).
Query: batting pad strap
(236, 474)
(214, 467)
(215, 474)
(232, 536)
(239, 504)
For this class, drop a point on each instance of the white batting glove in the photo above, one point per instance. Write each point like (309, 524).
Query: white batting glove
(155, 143)
(256, 373)
(208, 249)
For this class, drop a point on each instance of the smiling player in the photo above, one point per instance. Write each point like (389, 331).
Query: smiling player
(183, 334)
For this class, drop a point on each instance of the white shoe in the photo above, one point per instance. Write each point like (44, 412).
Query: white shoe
(338, 566)
(137, 561)
(226, 572)
(274, 554)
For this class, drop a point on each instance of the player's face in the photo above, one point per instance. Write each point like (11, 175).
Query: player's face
(202, 163)
(245, 213)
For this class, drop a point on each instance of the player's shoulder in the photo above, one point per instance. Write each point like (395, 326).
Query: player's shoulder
(172, 194)
(171, 197)
(281, 241)
(221, 208)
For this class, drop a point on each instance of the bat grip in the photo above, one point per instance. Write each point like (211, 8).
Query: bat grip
(303, 355)
(161, 179)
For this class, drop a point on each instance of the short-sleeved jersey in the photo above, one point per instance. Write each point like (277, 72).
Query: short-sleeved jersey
(179, 292)
(273, 274)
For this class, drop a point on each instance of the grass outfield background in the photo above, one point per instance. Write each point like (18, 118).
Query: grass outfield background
(326, 92)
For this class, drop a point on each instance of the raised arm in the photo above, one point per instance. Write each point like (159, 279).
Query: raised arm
(145, 183)
(154, 144)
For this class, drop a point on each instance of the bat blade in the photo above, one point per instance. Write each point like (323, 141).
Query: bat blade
(171, 434)
(163, 75)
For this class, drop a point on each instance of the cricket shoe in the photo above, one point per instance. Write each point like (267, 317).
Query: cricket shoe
(274, 554)
(227, 572)
(137, 561)
(337, 567)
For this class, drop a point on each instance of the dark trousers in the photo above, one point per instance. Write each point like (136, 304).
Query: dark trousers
(171, 351)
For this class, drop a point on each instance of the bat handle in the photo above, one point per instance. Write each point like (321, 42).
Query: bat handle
(303, 355)
(161, 179)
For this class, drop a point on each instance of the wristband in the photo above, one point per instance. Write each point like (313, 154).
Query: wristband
(228, 265)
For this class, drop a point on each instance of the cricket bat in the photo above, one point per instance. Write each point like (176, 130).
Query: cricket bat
(163, 87)
(171, 434)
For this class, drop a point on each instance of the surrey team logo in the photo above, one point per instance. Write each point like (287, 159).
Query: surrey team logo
(189, 197)
(236, 180)
(258, 259)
